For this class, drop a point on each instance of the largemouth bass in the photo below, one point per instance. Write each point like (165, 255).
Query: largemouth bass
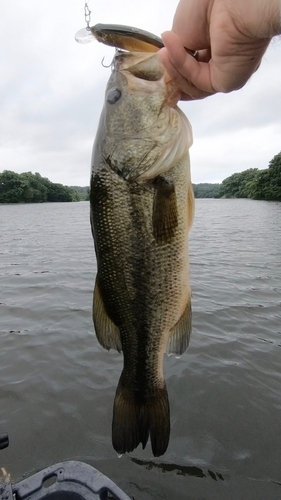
(141, 211)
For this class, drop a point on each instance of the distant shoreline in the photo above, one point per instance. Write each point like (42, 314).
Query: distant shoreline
(251, 184)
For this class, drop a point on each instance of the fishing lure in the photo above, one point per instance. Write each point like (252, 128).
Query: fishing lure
(120, 36)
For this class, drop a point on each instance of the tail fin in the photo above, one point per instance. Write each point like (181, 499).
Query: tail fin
(133, 421)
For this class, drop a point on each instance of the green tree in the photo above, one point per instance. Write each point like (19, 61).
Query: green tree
(83, 192)
(268, 183)
(11, 187)
(87, 196)
(32, 188)
(206, 190)
(58, 192)
(239, 185)
(35, 191)
(253, 183)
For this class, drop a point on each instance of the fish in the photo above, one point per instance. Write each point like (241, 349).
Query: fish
(124, 37)
(120, 36)
(141, 211)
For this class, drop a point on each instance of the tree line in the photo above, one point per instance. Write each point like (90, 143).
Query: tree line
(32, 188)
(83, 192)
(251, 183)
(206, 190)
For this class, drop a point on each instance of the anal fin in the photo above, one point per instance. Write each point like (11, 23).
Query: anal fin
(107, 332)
(180, 334)
(165, 212)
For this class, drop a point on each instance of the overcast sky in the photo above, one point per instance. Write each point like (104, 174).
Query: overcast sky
(52, 88)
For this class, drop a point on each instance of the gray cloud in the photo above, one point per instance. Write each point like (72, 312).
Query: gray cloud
(52, 91)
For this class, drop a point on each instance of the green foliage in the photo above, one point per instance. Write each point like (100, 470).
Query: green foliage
(58, 192)
(275, 163)
(83, 192)
(32, 188)
(253, 183)
(12, 187)
(206, 190)
(239, 185)
(268, 185)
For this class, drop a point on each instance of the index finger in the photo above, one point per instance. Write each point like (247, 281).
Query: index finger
(189, 91)
(196, 72)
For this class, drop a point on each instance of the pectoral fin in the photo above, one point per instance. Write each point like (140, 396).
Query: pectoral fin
(165, 212)
(179, 336)
(107, 332)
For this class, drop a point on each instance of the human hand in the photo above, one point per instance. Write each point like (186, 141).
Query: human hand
(230, 38)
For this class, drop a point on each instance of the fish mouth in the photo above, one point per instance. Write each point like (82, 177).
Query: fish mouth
(145, 73)
(140, 64)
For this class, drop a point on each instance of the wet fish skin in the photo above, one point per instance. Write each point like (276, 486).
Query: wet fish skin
(141, 211)
(126, 37)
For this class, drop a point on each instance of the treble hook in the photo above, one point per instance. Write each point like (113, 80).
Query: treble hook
(104, 65)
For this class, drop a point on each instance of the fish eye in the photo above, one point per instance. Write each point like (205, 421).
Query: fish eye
(113, 95)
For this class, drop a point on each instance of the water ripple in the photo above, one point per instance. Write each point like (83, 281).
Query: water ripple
(57, 384)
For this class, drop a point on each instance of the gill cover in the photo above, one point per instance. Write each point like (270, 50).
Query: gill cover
(145, 134)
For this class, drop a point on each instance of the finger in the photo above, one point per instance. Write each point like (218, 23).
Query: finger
(196, 72)
(189, 91)
(191, 24)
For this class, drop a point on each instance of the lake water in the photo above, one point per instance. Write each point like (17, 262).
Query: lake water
(57, 384)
